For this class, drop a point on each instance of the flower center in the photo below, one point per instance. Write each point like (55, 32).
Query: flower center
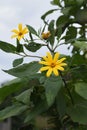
(20, 34)
(53, 65)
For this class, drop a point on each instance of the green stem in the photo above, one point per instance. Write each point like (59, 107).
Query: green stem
(69, 93)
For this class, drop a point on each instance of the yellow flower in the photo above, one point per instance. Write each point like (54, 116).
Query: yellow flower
(46, 35)
(52, 64)
(20, 32)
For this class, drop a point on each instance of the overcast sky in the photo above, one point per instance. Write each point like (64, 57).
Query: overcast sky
(13, 12)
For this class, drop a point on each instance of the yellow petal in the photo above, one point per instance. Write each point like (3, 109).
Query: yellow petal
(15, 31)
(63, 64)
(14, 36)
(45, 58)
(56, 56)
(49, 56)
(61, 60)
(44, 63)
(59, 68)
(55, 71)
(20, 27)
(25, 30)
(44, 68)
(49, 72)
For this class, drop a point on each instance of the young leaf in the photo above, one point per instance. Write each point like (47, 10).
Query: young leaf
(17, 62)
(47, 13)
(32, 30)
(7, 47)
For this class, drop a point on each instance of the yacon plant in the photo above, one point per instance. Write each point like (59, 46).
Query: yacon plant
(49, 93)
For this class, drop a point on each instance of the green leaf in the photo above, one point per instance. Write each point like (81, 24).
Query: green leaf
(71, 33)
(47, 13)
(11, 87)
(33, 46)
(78, 59)
(81, 89)
(61, 104)
(79, 73)
(56, 2)
(7, 47)
(25, 70)
(79, 2)
(17, 62)
(81, 45)
(37, 110)
(52, 86)
(66, 10)
(12, 111)
(51, 39)
(78, 113)
(24, 96)
(61, 21)
(32, 30)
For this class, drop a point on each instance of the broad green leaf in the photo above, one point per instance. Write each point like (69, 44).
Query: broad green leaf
(11, 87)
(25, 70)
(37, 110)
(52, 86)
(81, 16)
(81, 45)
(79, 73)
(71, 33)
(66, 10)
(17, 62)
(24, 97)
(79, 2)
(78, 59)
(61, 104)
(81, 89)
(7, 47)
(61, 21)
(78, 113)
(13, 110)
(32, 30)
(47, 13)
(33, 46)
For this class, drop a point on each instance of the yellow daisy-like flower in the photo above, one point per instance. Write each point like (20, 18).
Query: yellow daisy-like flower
(46, 35)
(20, 32)
(52, 64)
